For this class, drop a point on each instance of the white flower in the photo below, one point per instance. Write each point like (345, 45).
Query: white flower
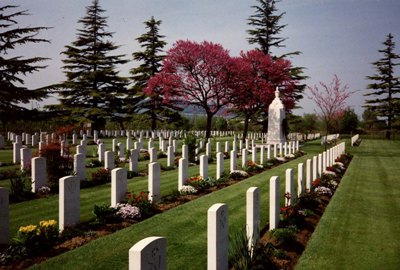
(240, 172)
(323, 191)
(44, 190)
(329, 173)
(186, 189)
(127, 211)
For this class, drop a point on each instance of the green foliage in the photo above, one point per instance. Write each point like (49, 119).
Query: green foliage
(349, 122)
(94, 163)
(386, 85)
(101, 176)
(308, 200)
(240, 257)
(35, 238)
(284, 235)
(20, 186)
(105, 214)
(147, 208)
(14, 68)
(190, 141)
(57, 166)
(93, 91)
(15, 252)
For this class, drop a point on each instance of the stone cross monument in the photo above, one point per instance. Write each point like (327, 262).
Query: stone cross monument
(276, 115)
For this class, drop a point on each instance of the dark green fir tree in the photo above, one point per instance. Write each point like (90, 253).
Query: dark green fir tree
(14, 69)
(93, 91)
(150, 59)
(385, 89)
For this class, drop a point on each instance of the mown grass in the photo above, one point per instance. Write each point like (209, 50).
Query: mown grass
(185, 228)
(360, 229)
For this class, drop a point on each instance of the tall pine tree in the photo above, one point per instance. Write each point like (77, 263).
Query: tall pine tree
(151, 58)
(93, 91)
(386, 86)
(13, 69)
(266, 33)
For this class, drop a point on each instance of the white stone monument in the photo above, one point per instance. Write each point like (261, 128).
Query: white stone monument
(276, 115)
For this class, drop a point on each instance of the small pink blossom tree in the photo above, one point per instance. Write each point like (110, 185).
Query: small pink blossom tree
(331, 100)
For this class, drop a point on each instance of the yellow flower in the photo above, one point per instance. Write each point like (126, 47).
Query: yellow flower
(27, 229)
(48, 223)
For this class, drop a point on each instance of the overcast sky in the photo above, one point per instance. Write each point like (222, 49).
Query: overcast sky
(335, 36)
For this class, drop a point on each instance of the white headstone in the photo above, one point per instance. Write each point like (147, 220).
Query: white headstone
(183, 172)
(185, 151)
(274, 206)
(121, 151)
(69, 202)
(204, 166)
(262, 154)
(100, 151)
(289, 187)
(4, 216)
(26, 156)
(17, 152)
(79, 166)
(254, 154)
(109, 162)
(217, 237)
(314, 168)
(308, 174)
(320, 166)
(170, 156)
(149, 254)
(220, 165)
(154, 181)
(133, 160)
(119, 185)
(253, 216)
(244, 157)
(153, 155)
(300, 179)
(38, 170)
(233, 161)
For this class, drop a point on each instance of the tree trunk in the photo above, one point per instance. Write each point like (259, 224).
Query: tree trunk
(153, 121)
(265, 126)
(245, 128)
(209, 122)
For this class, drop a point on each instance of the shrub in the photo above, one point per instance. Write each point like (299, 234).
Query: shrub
(101, 176)
(105, 214)
(15, 252)
(147, 208)
(323, 191)
(57, 166)
(127, 211)
(284, 235)
(35, 237)
(309, 200)
(20, 188)
(95, 163)
(190, 141)
(241, 257)
(186, 189)
(253, 167)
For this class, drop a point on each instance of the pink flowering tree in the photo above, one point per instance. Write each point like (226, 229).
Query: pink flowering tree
(331, 100)
(258, 75)
(198, 74)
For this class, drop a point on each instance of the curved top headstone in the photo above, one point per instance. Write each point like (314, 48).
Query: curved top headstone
(276, 115)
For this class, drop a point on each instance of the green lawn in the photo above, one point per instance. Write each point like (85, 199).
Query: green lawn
(185, 228)
(360, 228)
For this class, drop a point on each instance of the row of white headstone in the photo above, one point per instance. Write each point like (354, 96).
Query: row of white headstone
(69, 188)
(329, 138)
(151, 251)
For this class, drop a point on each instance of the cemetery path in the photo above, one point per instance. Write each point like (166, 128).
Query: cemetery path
(185, 228)
(360, 228)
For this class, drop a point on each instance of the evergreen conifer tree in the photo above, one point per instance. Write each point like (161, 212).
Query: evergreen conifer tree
(386, 86)
(13, 68)
(151, 59)
(266, 34)
(93, 91)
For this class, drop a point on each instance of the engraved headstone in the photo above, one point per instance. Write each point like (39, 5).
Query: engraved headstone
(69, 202)
(119, 185)
(217, 237)
(149, 254)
